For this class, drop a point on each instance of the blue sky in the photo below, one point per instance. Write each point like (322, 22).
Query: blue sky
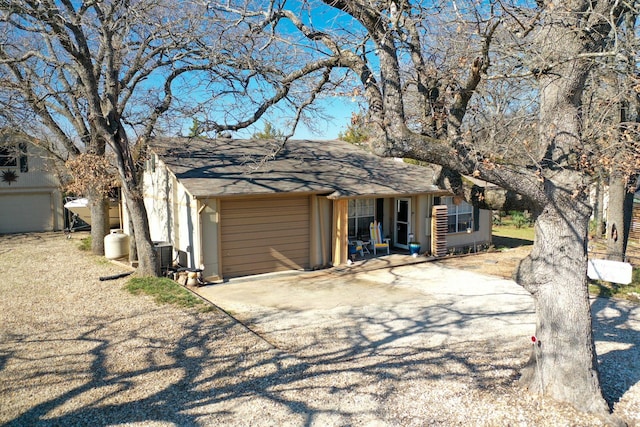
(337, 109)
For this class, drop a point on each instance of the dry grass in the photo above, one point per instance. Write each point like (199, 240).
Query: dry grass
(78, 351)
(501, 263)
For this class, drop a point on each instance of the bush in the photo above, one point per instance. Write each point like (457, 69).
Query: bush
(519, 219)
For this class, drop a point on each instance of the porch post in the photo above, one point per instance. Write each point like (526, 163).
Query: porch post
(340, 228)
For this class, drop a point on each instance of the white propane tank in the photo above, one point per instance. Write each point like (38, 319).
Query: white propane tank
(116, 244)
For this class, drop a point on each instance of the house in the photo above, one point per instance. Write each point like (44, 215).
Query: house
(634, 231)
(30, 197)
(244, 207)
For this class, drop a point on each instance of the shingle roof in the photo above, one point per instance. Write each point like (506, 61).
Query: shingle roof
(231, 167)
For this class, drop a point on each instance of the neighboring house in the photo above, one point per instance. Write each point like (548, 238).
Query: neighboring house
(30, 197)
(634, 232)
(237, 208)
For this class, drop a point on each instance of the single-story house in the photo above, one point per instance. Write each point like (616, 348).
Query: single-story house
(244, 207)
(30, 196)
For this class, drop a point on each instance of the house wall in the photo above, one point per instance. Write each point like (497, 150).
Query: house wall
(420, 209)
(194, 226)
(422, 221)
(173, 214)
(480, 237)
(34, 201)
(159, 188)
(208, 250)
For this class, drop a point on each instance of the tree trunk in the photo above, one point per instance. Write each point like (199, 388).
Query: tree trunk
(615, 217)
(132, 192)
(133, 249)
(563, 361)
(99, 205)
(598, 210)
(147, 256)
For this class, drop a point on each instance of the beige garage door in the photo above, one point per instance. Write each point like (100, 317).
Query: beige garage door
(20, 213)
(264, 235)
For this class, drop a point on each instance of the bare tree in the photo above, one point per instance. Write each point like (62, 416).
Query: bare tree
(449, 62)
(93, 77)
(611, 110)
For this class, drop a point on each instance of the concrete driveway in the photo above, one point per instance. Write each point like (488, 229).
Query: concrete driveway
(393, 311)
(422, 304)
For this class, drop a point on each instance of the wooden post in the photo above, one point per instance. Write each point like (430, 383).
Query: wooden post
(340, 232)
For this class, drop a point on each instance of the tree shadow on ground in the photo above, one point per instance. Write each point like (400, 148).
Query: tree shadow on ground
(619, 353)
(218, 373)
(204, 378)
(509, 242)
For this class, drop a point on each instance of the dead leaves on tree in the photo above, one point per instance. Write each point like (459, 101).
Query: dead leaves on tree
(91, 172)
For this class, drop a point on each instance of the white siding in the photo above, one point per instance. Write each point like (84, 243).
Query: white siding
(33, 202)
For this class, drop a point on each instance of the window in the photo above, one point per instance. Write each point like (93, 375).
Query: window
(459, 217)
(361, 214)
(7, 157)
(14, 156)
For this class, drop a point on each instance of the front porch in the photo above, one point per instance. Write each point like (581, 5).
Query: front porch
(368, 261)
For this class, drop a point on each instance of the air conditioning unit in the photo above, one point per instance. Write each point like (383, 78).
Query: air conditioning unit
(164, 255)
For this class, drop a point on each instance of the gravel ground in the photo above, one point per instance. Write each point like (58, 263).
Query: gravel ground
(78, 351)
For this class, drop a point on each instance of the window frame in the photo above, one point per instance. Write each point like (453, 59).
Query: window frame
(14, 157)
(358, 212)
(8, 159)
(459, 213)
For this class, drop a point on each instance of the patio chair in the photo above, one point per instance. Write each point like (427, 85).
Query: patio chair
(356, 247)
(377, 242)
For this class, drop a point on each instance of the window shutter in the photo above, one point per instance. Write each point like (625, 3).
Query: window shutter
(476, 218)
(24, 165)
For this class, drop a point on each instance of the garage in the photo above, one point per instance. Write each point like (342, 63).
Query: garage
(263, 235)
(26, 212)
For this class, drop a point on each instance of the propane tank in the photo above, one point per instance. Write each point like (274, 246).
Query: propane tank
(116, 244)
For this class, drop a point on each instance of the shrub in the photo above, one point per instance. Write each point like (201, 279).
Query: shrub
(519, 219)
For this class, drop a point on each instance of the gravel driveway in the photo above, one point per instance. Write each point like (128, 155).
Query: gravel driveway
(415, 345)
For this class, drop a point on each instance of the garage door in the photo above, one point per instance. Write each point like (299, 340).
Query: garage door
(264, 235)
(20, 213)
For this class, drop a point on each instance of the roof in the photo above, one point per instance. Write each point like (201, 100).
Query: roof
(232, 167)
